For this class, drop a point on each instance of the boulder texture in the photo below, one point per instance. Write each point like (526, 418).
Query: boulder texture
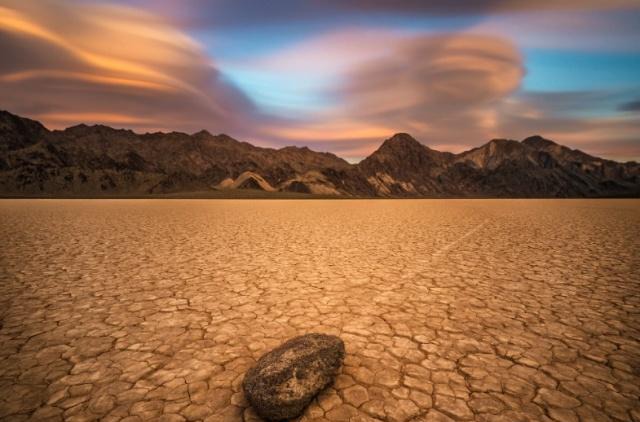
(285, 380)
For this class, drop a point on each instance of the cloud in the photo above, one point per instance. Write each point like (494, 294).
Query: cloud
(607, 30)
(432, 76)
(440, 88)
(229, 13)
(447, 7)
(451, 91)
(74, 62)
(630, 106)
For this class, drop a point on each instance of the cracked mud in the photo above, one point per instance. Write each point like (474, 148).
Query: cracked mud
(450, 310)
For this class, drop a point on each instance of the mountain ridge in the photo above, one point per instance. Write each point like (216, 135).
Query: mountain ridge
(98, 160)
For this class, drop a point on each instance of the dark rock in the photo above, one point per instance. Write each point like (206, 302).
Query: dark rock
(119, 162)
(297, 186)
(285, 380)
(171, 162)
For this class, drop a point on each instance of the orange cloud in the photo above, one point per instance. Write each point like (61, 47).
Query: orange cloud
(66, 57)
(68, 119)
(85, 77)
(330, 132)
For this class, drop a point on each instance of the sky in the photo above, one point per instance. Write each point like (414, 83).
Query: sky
(334, 75)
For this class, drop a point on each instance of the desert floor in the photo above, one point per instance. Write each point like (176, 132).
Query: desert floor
(486, 310)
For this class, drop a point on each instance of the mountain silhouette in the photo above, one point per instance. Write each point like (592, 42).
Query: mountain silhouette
(95, 161)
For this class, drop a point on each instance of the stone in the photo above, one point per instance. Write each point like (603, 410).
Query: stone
(201, 303)
(284, 381)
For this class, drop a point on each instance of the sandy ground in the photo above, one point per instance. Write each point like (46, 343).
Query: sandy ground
(486, 310)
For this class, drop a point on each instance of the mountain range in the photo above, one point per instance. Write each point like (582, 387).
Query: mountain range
(100, 161)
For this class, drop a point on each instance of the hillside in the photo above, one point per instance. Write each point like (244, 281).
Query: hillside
(90, 161)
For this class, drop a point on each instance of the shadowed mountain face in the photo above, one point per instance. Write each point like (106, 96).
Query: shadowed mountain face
(102, 161)
(99, 160)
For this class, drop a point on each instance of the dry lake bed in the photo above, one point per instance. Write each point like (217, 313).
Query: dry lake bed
(486, 310)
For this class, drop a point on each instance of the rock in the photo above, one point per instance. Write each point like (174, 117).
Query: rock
(297, 186)
(285, 380)
(98, 160)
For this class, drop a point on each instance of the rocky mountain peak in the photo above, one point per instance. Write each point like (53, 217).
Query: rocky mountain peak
(538, 142)
(399, 147)
(202, 134)
(17, 132)
(83, 130)
(99, 160)
(9, 121)
(401, 140)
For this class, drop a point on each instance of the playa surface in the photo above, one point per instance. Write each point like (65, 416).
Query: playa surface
(486, 310)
